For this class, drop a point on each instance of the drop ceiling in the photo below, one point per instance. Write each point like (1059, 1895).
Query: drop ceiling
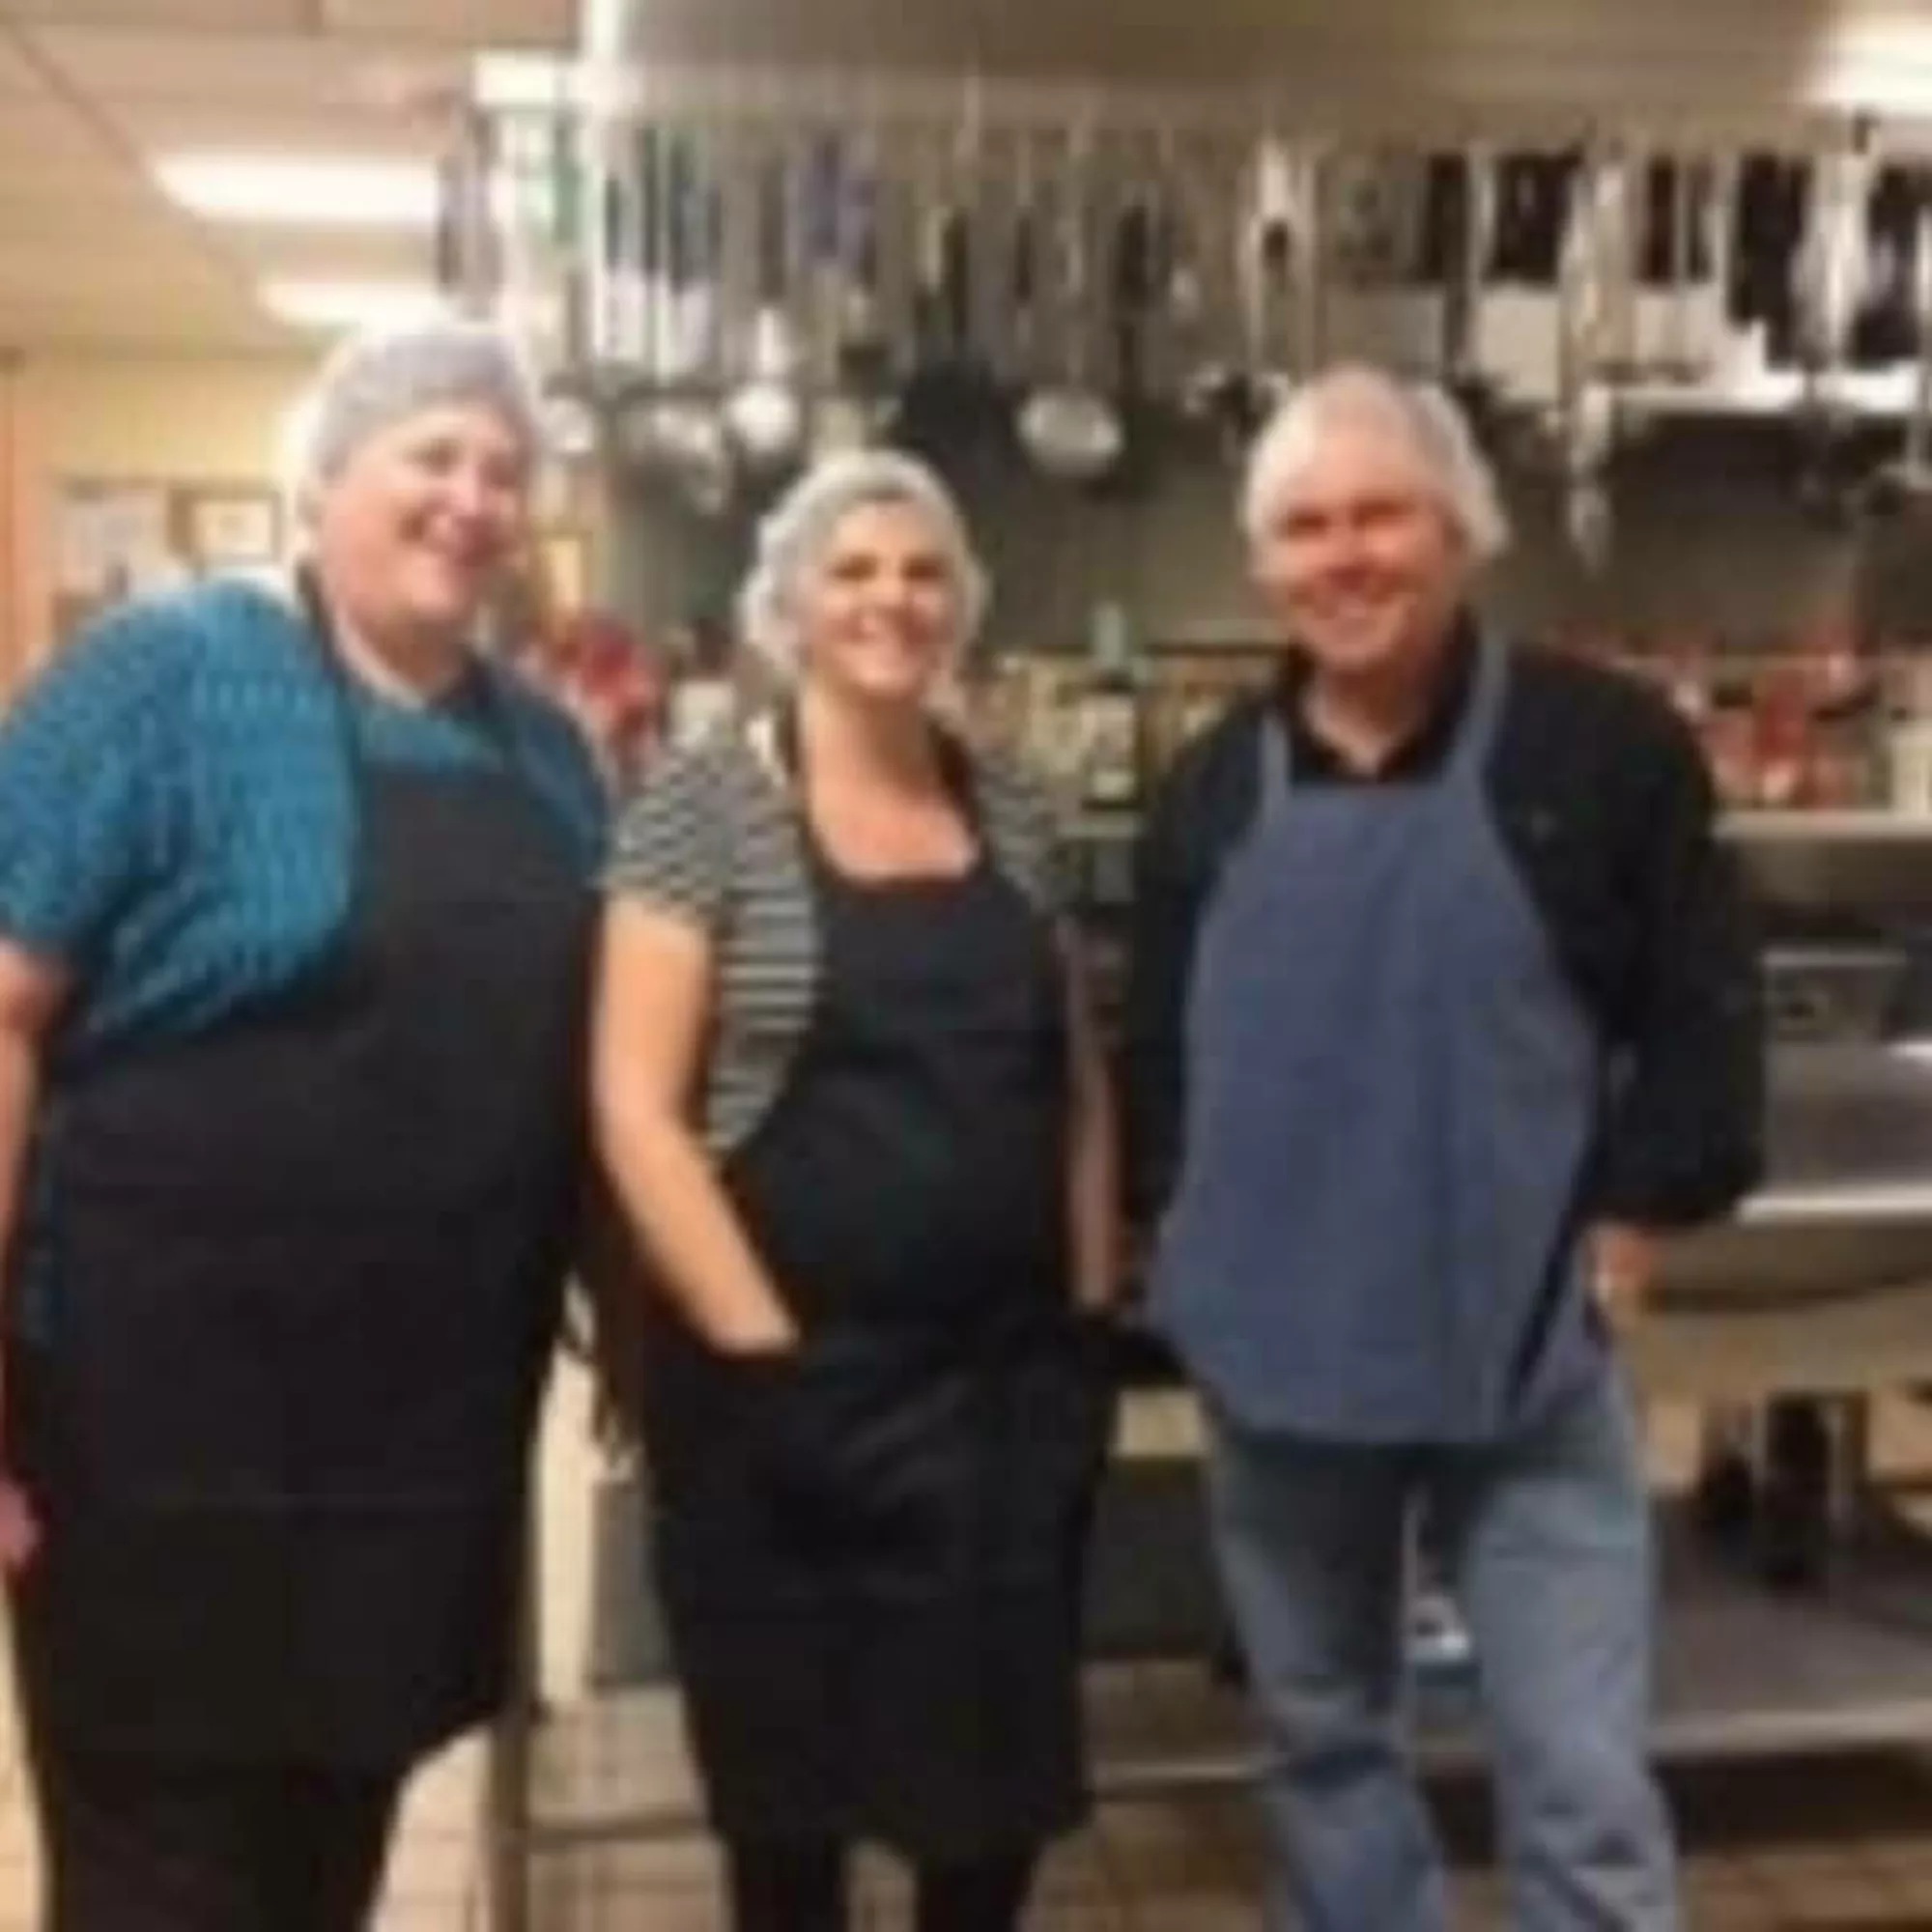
(92, 254)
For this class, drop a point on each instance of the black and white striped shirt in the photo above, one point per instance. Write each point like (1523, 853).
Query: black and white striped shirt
(714, 836)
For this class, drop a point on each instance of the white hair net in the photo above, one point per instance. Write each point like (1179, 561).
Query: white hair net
(793, 538)
(373, 380)
(1419, 418)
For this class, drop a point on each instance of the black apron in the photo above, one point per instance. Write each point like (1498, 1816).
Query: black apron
(307, 1269)
(871, 1552)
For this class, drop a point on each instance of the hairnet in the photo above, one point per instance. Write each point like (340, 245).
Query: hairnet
(793, 538)
(372, 381)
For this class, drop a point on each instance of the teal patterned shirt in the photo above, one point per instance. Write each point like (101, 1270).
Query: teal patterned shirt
(177, 822)
(177, 809)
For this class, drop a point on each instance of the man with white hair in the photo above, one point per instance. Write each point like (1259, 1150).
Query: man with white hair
(1444, 1004)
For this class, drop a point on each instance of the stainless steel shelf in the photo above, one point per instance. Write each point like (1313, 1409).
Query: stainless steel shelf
(1806, 826)
(1743, 1672)
(1756, 826)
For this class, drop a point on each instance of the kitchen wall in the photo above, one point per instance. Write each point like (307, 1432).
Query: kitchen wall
(1715, 534)
(84, 417)
(1711, 532)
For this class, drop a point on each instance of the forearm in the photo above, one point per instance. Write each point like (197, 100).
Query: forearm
(1094, 1184)
(668, 1189)
(1096, 1242)
(20, 1096)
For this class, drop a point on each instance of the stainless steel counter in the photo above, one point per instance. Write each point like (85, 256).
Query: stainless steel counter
(1847, 1205)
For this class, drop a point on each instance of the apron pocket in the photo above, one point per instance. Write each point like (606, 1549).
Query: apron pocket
(865, 1451)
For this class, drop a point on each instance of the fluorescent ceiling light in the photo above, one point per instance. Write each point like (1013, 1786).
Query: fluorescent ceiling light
(302, 192)
(308, 303)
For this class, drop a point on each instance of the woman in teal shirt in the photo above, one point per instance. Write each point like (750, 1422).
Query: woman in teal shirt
(294, 906)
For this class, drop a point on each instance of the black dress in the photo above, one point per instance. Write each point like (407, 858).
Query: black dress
(870, 1551)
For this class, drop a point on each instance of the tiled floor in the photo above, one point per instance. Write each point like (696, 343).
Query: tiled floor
(1844, 1844)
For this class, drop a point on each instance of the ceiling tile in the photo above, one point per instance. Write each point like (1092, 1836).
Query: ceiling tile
(66, 221)
(172, 15)
(17, 75)
(161, 273)
(160, 126)
(114, 324)
(40, 130)
(457, 23)
(330, 257)
(256, 70)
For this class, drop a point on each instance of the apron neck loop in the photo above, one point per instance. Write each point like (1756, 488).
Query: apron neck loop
(954, 761)
(324, 634)
(1476, 735)
(1475, 731)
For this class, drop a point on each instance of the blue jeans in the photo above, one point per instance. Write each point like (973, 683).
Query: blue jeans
(1545, 1540)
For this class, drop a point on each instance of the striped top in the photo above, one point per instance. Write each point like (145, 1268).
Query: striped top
(714, 836)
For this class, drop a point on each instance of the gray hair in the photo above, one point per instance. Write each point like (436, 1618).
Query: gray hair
(793, 538)
(1420, 416)
(370, 381)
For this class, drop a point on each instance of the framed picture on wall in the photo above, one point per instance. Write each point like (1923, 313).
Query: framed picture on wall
(121, 537)
(235, 531)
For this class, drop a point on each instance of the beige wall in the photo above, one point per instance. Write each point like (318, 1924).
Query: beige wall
(104, 418)
(19, 566)
(185, 418)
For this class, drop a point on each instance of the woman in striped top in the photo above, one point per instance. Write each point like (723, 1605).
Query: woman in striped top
(849, 1098)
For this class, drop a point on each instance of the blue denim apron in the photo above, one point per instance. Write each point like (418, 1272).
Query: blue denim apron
(1392, 1094)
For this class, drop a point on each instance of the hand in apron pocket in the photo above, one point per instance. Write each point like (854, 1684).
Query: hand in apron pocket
(859, 1443)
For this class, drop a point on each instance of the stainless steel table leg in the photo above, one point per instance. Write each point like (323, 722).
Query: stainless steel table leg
(508, 1838)
(1852, 1493)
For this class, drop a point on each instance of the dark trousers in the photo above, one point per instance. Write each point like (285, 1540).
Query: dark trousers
(802, 1887)
(134, 1844)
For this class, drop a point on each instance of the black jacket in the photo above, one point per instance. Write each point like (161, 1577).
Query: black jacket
(1601, 798)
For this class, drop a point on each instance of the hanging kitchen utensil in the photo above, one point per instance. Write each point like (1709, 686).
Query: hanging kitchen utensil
(1018, 358)
(674, 429)
(1458, 213)
(1834, 270)
(1609, 176)
(1181, 294)
(1908, 482)
(628, 188)
(1279, 270)
(1368, 220)
(604, 242)
(1069, 429)
(1884, 331)
(1135, 274)
(695, 242)
(1585, 416)
(1212, 388)
(1832, 283)
(1129, 218)
(938, 411)
(688, 309)
(1682, 268)
(864, 355)
(764, 414)
(838, 420)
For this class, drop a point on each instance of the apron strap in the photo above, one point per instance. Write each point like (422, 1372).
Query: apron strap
(1477, 737)
(1277, 764)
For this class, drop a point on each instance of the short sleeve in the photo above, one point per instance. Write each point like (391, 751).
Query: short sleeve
(672, 844)
(88, 772)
